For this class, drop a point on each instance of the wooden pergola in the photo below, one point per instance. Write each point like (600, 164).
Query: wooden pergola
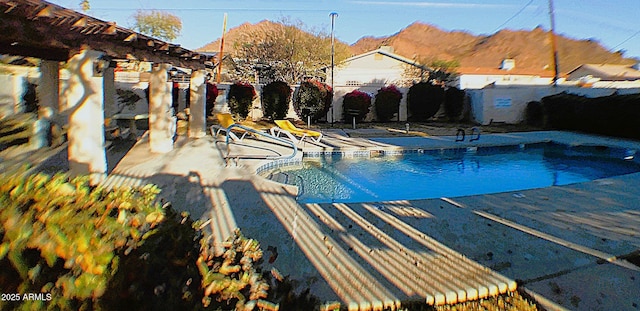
(47, 31)
(54, 34)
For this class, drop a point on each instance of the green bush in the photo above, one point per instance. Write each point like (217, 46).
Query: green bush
(424, 100)
(313, 98)
(240, 98)
(355, 101)
(387, 102)
(88, 248)
(614, 115)
(275, 100)
(533, 113)
(453, 103)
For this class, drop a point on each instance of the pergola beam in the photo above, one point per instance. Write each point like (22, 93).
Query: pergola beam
(47, 28)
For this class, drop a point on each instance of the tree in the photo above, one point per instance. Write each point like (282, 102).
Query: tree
(161, 25)
(439, 71)
(283, 51)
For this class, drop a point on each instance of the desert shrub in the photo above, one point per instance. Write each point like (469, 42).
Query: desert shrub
(615, 115)
(275, 99)
(453, 103)
(533, 113)
(356, 101)
(424, 100)
(240, 98)
(85, 248)
(313, 98)
(387, 102)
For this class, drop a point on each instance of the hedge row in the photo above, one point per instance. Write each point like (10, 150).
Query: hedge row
(615, 115)
(313, 98)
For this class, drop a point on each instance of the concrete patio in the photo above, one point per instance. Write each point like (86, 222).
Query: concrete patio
(561, 243)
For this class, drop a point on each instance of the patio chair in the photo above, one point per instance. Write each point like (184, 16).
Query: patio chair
(291, 131)
(226, 120)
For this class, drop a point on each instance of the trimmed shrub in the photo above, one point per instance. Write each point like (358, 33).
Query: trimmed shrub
(615, 115)
(533, 113)
(453, 103)
(387, 102)
(275, 99)
(424, 100)
(240, 98)
(356, 101)
(86, 248)
(313, 98)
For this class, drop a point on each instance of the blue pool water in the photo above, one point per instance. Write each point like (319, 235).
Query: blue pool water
(452, 172)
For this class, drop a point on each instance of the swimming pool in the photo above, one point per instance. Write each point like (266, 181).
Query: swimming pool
(424, 174)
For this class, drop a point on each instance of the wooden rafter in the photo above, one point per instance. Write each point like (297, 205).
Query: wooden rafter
(39, 26)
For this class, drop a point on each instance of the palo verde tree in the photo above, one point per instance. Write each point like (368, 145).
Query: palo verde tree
(284, 51)
(158, 24)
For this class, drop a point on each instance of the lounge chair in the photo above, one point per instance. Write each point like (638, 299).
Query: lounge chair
(226, 120)
(287, 128)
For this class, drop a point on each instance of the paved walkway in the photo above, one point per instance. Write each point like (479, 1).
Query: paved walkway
(562, 242)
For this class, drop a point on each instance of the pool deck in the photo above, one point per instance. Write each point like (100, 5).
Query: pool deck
(561, 243)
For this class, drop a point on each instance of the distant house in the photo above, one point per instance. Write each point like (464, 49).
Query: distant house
(604, 72)
(377, 67)
(506, 74)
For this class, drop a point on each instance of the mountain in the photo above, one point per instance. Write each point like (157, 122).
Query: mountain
(235, 35)
(531, 49)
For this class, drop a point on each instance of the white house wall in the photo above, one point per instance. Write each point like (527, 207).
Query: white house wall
(11, 92)
(369, 70)
(508, 104)
(467, 81)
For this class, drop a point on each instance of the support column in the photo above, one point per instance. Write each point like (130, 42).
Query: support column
(197, 116)
(161, 121)
(49, 87)
(110, 106)
(86, 116)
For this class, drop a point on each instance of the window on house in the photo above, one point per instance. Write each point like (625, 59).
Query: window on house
(353, 83)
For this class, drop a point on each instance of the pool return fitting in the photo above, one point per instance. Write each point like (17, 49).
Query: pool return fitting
(460, 134)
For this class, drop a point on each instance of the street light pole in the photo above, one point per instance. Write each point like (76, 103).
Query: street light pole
(333, 20)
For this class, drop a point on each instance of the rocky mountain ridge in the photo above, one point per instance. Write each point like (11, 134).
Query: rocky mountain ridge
(530, 49)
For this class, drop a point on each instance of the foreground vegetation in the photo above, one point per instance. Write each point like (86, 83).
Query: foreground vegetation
(73, 246)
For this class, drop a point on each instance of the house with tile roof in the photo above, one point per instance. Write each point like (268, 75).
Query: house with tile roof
(506, 74)
(604, 72)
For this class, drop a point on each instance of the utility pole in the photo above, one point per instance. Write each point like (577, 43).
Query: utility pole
(554, 47)
(221, 54)
(333, 19)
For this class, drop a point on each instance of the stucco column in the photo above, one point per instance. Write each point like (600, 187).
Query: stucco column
(49, 86)
(161, 120)
(110, 106)
(197, 116)
(86, 117)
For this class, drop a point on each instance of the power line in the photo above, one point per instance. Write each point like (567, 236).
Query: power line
(514, 16)
(625, 40)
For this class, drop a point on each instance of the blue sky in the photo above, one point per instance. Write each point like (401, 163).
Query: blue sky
(615, 24)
